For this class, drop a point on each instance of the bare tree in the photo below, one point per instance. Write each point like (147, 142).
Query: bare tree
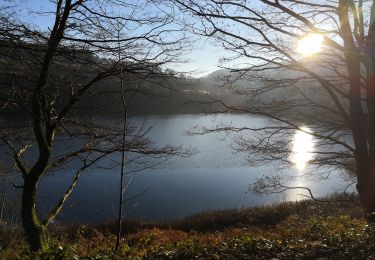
(122, 170)
(51, 75)
(332, 92)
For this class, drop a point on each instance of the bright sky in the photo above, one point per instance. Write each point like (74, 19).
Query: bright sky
(200, 62)
(203, 60)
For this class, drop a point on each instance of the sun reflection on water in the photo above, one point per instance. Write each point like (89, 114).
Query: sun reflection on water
(302, 148)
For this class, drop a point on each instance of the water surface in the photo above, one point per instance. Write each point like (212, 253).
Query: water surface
(213, 178)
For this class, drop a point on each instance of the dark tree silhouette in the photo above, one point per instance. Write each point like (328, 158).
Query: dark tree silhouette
(50, 75)
(332, 91)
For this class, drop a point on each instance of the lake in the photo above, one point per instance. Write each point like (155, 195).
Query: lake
(213, 178)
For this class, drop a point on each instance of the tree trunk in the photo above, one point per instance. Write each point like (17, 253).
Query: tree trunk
(36, 233)
(358, 121)
(44, 131)
(370, 99)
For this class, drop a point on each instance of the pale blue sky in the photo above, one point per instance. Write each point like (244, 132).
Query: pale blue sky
(201, 61)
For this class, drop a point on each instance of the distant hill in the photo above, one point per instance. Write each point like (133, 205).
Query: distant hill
(282, 92)
(150, 90)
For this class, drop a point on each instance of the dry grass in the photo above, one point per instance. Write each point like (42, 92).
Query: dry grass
(306, 230)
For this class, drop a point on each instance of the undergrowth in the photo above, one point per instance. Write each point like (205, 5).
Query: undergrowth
(303, 230)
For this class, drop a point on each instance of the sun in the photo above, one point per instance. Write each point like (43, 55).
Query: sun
(310, 44)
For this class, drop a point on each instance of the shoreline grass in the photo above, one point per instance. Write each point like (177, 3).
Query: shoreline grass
(303, 230)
